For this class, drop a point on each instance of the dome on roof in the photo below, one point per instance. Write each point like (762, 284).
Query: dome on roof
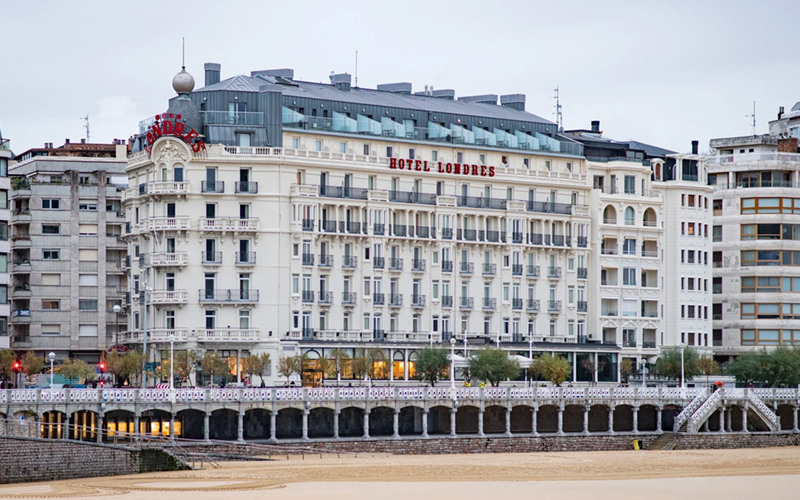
(183, 82)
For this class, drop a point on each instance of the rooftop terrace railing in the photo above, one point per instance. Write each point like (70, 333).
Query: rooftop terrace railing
(255, 119)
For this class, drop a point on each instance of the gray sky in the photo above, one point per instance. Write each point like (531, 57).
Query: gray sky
(663, 73)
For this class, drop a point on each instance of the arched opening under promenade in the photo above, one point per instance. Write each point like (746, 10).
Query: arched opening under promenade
(668, 416)
(598, 418)
(289, 424)
(494, 419)
(522, 419)
(381, 421)
(156, 422)
(573, 418)
(648, 418)
(191, 423)
(256, 424)
(83, 425)
(787, 415)
(547, 419)
(410, 421)
(467, 420)
(439, 421)
(623, 418)
(351, 422)
(320, 422)
(53, 424)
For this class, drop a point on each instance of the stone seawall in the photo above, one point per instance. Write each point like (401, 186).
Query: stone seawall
(32, 459)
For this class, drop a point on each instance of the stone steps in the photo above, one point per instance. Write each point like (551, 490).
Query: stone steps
(665, 441)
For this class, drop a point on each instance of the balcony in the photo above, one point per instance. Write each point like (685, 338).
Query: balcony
(412, 197)
(246, 187)
(447, 233)
(395, 300)
(481, 202)
(169, 296)
(378, 229)
(308, 259)
(308, 224)
(516, 269)
(583, 241)
(516, 304)
(649, 253)
(399, 230)
(163, 259)
(245, 258)
(467, 267)
(548, 207)
(466, 303)
(329, 226)
(582, 273)
(554, 306)
(349, 298)
(418, 265)
(423, 232)
(247, 118)
(349, 261)
(417, 301)
(395, 264)
(532, 305)
(228, 224)
(211, 258)
(308, 297)
(583, 306)
(447, 301)
(558, 240)
(489, 304)
(167, 223)
(325, 298)
(467, 235)
(212, 187)
(344, 192)
(516, 237)
(447, 266)
(554, 272)
(609, 250)
(652, 345)
(536, 239)
(489, 269)
(166, 188)
(532, 271)
(353, 227)
(378, 299)
(491, 236)
(228, 335)
(325, 260)
(378, 262)
(228, 296)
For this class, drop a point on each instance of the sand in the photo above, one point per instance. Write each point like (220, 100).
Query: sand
(771, 473)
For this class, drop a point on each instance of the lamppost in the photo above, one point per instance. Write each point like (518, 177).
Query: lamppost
(117, 309)
(452, 363)
(171, 357)
(530, 355)
(51, 357)
(683, 378)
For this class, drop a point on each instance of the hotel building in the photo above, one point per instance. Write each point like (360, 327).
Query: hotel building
(273, 215)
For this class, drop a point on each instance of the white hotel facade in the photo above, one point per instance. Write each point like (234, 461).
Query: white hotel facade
(294, 231)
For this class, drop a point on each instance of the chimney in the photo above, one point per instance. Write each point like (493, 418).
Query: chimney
(121, 150)
(212, 73)
(780, 112)
(83, 141)
(341, 81)
(694, 147)
(66, 141)
(514, 101)
(596, 126)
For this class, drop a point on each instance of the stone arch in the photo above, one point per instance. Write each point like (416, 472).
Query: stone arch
(785, 413)
(410, 421)
(223, 424)
(83, 425)
(573, 418)
(494, 419)
(598, 418)
(380, 365)
(399, 365)
(154, 422)
(547, 419)
(734, 413)
(521, 419)
(649, 218)
(320, 422)
(53, 422)
(623, 418)
(289, 423)
(381, 421)
(630, 216)
(191, 423)
(467, 420)
(256, 424)
(439, 420)
(21, 423)
(351, 422)
(712, 422)
(413, 356)
(668, 416)
(648, 418)
(118, 425)
(609, 215)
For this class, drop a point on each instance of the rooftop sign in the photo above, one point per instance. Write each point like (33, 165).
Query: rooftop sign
(170, 124)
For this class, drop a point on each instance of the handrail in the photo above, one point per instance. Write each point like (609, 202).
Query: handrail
(687, 412)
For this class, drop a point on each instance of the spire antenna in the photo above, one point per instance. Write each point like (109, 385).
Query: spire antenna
(183, 52)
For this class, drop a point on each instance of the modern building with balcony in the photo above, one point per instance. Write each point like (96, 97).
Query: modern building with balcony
(756, 238)
(67, 253)
(6, 159)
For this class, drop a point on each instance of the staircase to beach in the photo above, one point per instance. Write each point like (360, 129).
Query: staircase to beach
(665, 441)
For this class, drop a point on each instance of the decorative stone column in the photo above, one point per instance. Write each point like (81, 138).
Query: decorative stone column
(136, 427)
(660, 409)
(336, 423)
(206, 426)
(585, 421)
(794, 418)
(534, 412)
(508, 422)
(636, 420)
(304, 436)
(240, 427)
(611, 420)
(560, 420)
(172, 427)
(100, 427)
(453, 421)
(396, 424)
(273, 431)
(425, 422)
(728, 418)
(67, 420)
(366, 423)
(722, 418)
(744, 417)
(480, 421)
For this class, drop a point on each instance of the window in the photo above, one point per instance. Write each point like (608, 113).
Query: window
(87, 330)
(569, 166)
(630, 216)
(295, 284)
(51, 305)
(770, 311)
(629, 276)
(87, 304)
(51, 203)
(295, 143)
(630, 184)
(434, 155)
(87, 207)
(51, 229)
(86, 279)
(770, 258)
(389, 151)
(411, 153)
(629, 246)
(3, 263)
(769, 205)
(87, 255)
(51, 329)
(770, 337)
(318, 145)
(366, 149)
(51, 254)
(87, 229)
(716, 233)
(342, 147)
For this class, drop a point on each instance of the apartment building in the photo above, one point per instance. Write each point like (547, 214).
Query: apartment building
(6, 158)
(755, 256)
(67, 250)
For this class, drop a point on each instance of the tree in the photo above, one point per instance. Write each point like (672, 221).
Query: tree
(257, 364)
(126, 366)
(707, 366)
(626, 368)
(74, 369)
(32, 365)
(493, 366)
(588, 364)
(553, 368)
(779, 367)
(185, 364)
(213, 364)
(337, 357)
(431, 362)
(361, 363)
(668, 364)
(7, 358)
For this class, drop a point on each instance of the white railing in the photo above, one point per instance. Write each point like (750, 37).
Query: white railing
(168, 296)
(228, 224)
(697, 418)
(228, 335)
(167, 224)
(753, 157)
(168, 187)
(692, 407)
(764, 410)
(169, 259)
(164, 334)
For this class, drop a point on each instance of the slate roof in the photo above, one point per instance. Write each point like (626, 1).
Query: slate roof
(651, 150)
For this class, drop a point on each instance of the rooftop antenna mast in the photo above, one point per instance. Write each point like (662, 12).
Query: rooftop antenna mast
(86, 125)
(753, 116)
(183, 52)
(356, 68)
(559, 116)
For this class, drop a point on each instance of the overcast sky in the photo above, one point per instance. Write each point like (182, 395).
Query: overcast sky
(663, 73)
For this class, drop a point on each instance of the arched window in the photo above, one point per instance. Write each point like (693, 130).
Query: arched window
(609, 215)
(649, 219)
(630, 216)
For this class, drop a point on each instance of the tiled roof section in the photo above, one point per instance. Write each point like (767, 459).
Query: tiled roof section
(237, 83)
(651, 150)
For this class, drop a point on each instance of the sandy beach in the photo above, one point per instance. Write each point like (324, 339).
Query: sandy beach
(736, 474)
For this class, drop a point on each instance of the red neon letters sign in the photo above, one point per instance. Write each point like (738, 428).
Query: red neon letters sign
(169, 124)
(442, 168)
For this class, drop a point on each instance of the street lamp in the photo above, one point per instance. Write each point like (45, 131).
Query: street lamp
(452, 362)
(117, 309)
(171, 357)
(51, 357)
(530, 355)
(683, 378)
